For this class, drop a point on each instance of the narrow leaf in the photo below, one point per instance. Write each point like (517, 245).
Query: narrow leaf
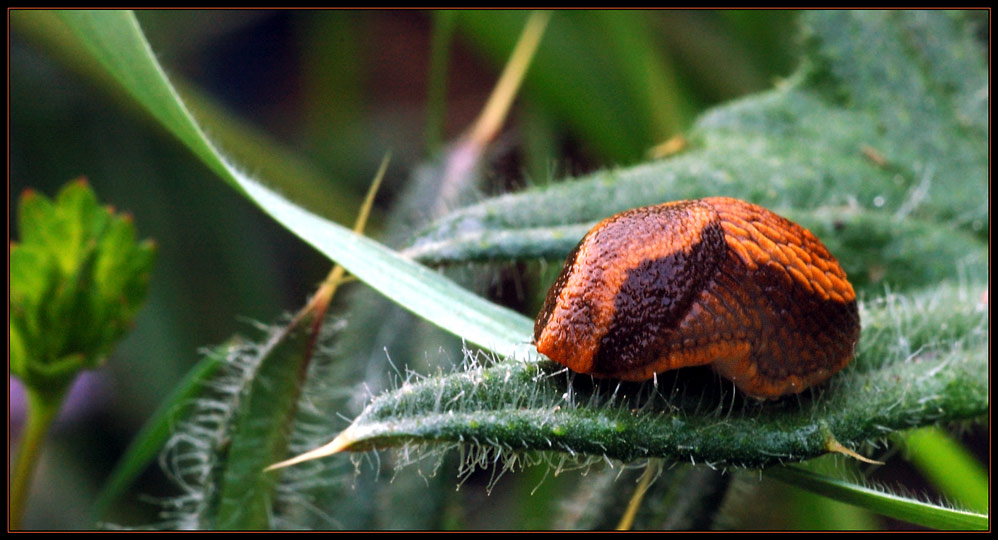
(950, 467)
(115, 38)
(260, 430)
(592, 57)
(148, 442)
(921, 513)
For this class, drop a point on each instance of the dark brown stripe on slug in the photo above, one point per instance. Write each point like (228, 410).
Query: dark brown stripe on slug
(656, 296)
(797, 338)
(579, 308)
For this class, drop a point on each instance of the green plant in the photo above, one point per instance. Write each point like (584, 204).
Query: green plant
(842, 147)
(77, 280)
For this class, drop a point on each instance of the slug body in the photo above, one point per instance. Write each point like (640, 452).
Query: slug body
(714, 281)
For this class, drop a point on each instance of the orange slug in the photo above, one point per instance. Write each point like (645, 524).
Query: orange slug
(715, 281)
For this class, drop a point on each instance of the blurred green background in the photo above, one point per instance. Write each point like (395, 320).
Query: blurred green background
(323, 95)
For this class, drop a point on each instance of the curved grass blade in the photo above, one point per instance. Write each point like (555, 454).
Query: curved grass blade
(148, 442)
(921, 513)
(606, 57)
(116, 40)
(255, 150)
(949, 466)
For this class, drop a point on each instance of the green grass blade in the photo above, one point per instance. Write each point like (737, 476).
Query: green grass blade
(590, 57)
(925, 514)
(284, 167)
(440, 50)
(948, 465)
(148, 442)
(117, 41)
(295, 175)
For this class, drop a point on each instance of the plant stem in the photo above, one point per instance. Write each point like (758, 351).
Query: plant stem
(42, 409)
(651, 471)
(443, 33)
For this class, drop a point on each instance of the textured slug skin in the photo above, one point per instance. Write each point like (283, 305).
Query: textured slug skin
(714, 281)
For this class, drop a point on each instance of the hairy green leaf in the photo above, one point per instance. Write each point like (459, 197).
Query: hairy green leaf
(902, 132)
(874, 248)
(259, 433)
(905, 374)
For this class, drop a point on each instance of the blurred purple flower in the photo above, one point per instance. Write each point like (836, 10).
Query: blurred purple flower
(86, 394)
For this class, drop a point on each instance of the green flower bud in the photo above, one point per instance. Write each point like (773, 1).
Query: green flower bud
(77, 279)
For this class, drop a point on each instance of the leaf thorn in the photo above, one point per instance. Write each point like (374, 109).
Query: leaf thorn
(833, 445)
(339, 444)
